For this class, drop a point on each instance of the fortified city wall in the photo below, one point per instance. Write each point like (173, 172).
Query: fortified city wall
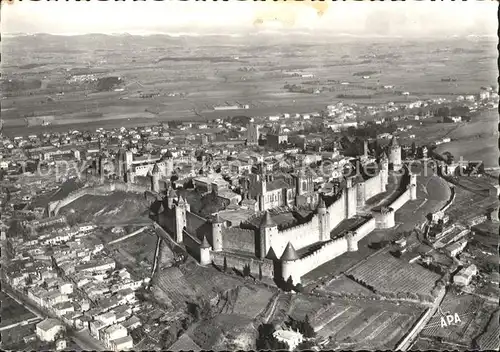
(238, 262)
(238, 239)
(300, 236)
(334, 248)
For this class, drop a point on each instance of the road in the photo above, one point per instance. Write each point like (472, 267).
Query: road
(82, 338)
(22, 323)
(408, 341)
(129, 235)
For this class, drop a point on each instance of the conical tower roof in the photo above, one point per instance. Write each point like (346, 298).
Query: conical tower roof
(204, 243)
(289, 253)
(267, 221)
(156, 169)
(384, 156)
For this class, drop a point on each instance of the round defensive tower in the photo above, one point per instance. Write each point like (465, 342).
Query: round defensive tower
(352, 244)
(288, 259)
(384, 218)
(205, 252)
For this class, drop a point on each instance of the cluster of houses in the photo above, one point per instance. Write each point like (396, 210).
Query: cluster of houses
(72, 279)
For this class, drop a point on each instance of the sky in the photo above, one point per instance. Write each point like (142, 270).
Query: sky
(409, 18)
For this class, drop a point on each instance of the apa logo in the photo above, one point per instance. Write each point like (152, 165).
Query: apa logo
(450, 320)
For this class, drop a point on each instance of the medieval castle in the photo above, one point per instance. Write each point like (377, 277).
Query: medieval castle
(294, 251)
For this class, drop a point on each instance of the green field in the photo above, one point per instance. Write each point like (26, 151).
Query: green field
(118, 208)
(210, 75)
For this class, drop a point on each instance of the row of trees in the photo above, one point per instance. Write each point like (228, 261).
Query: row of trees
(302, 326)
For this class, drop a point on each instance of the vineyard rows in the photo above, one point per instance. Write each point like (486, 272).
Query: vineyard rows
(392, 331)
(251, 302)
(372, 330)
(303, 306)
(490, 341)
(336, 325)
(173, 283)
(355, 326)
(324, 314)
(388, 274)
(282, 308)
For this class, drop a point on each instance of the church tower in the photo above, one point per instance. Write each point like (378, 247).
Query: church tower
(395, 154)
(180, 219)
(324, 228)
(169, 163)
(384, 171)
(263, 188)
(155, 179)
(217, 226)
(252, 134)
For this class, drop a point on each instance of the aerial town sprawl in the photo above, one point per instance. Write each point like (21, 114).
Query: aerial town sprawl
(355, 225)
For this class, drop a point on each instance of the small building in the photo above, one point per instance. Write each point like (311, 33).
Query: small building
(66, 288)
(122, 343)
(48, 329)
(464, 276)
(290, 337)
(114, 332)
(456, 248)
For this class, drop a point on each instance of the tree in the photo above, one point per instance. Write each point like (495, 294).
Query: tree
(299, 288)
(246, 270)
(224, 266)
(201, 310)
(307, 329)
(305, 346)
(413, 148)
(443, 112)
(266, 340)
(289, 284)
(480, 169)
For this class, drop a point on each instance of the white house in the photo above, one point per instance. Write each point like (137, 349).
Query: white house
(114, 332)
(464, 276)
(47, 330)
(122, 343)
(66, 288)
(290, 337)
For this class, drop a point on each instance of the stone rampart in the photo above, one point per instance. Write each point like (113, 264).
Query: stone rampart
(300, 236)
(364, 229)
(327, 252)
(237, 262)
(373, 186)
